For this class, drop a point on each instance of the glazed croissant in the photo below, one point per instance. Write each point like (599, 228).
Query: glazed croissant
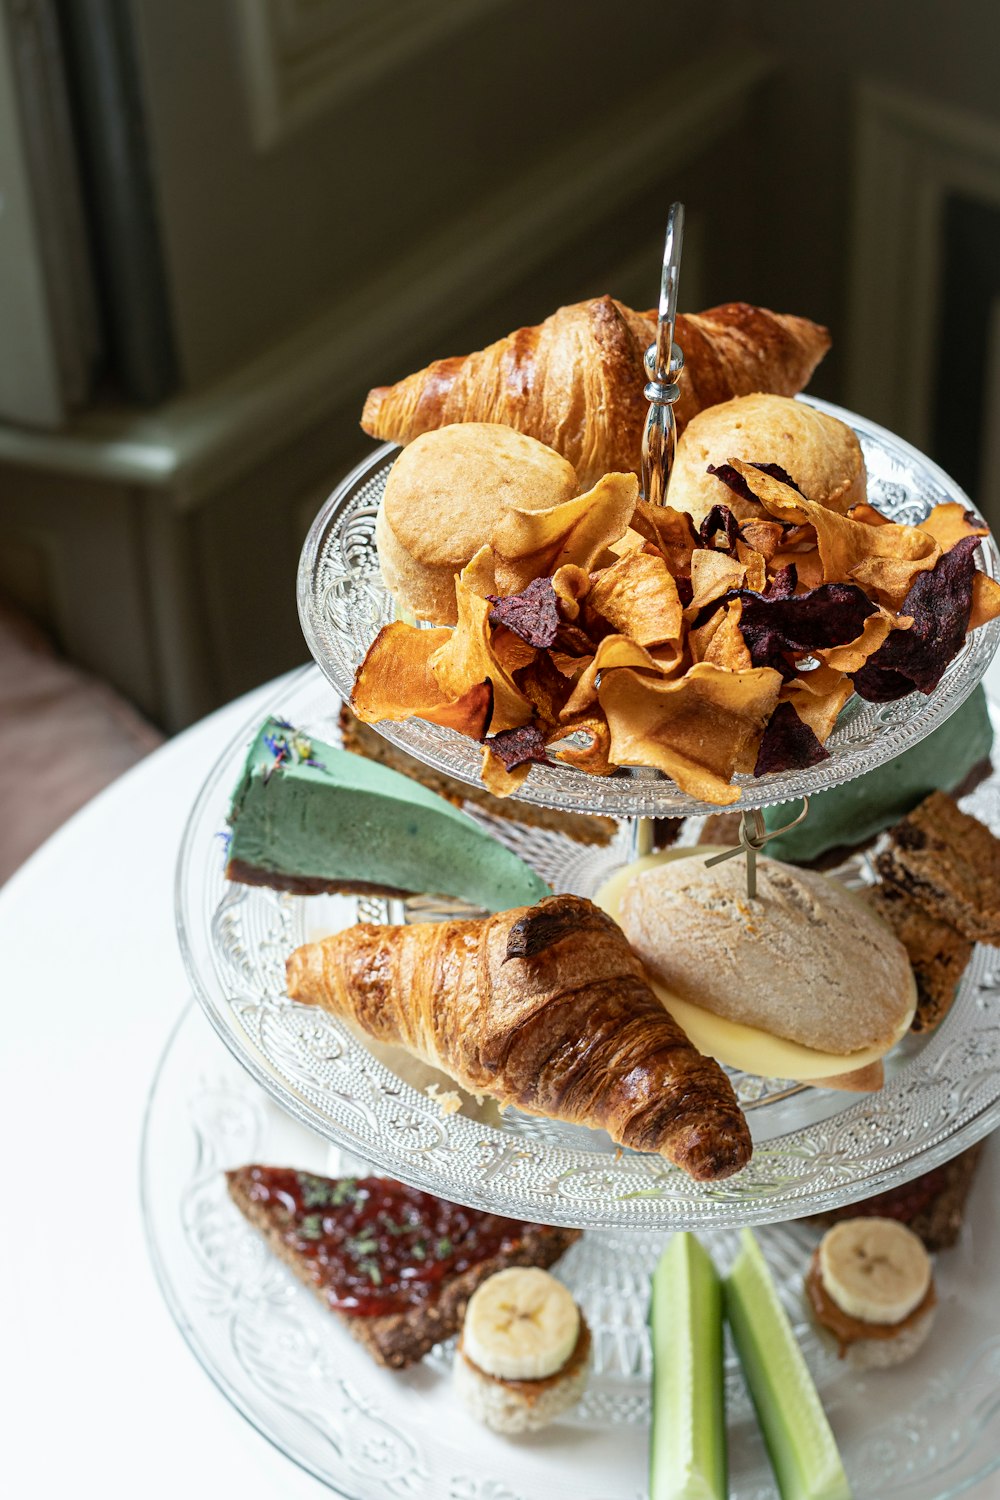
(576, 381)
(544, 1007)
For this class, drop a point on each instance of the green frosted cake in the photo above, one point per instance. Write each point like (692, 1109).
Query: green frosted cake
(307, 817)
(853, 813)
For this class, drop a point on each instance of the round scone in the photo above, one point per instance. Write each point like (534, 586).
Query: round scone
(806, 960)
(524, 1352)
(870, 1284)
(821, 454)
(442, 497)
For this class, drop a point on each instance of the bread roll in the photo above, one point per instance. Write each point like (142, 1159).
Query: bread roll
(443, 495)
(806, 960)
(821, 454)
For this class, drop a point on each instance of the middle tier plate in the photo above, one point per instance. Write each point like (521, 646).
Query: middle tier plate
(813, 1148)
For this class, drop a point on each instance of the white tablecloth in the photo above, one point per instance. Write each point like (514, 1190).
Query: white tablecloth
(101, 1395)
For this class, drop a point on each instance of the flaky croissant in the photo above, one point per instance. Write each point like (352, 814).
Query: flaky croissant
(576, 381)
(544, 1007)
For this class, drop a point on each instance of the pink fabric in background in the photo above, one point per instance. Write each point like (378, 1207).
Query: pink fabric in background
(63, 737)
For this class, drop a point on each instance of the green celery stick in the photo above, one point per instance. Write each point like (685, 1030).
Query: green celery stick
(801, 1446)
(687, 1455)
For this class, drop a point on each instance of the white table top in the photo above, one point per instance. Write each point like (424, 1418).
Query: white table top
(102, 1396)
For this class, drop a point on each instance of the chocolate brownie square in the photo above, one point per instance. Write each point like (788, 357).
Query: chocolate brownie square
(948, 863)
(937, 953)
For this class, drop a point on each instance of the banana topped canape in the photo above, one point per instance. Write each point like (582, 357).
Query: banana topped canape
(871, 1285)
(524, 1352)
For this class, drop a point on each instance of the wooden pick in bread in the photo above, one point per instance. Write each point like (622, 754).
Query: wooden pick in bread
(576, 380)
(545, 1008)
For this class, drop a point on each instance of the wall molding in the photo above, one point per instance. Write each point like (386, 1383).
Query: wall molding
(908, 158)
(195, 443)
(302, 58)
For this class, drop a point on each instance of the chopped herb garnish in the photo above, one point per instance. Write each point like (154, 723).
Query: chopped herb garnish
(396, 1229)
(362, 1245)
(315, 1191)
(444, 1247)
(419, 1250)
(311, 1227)
(372, 1271)
(320, 1192)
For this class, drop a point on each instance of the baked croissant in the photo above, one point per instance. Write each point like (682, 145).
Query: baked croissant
(544, 1007)
(576, 381)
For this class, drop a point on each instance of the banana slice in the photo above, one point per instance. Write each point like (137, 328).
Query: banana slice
(874, 1269)
(521, 1324)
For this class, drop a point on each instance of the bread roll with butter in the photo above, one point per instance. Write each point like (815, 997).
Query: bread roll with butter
(442, 498)
(821, 454)
(806, 961)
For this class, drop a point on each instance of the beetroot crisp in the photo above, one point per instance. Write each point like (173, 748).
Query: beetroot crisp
(940, 602)
(532, 614)
(784, 583)
(720, 520)
(775, 471)
(788, 744)
(732, 480)
(516, 746)
(780, 626)
(735, 481)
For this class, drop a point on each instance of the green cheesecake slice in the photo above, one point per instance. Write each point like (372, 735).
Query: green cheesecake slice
(309, 818)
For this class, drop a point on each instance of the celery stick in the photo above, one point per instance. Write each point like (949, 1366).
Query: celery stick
(801, 1446)
(687, 1454)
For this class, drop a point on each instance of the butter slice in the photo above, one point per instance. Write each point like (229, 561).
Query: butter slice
(747, 1048)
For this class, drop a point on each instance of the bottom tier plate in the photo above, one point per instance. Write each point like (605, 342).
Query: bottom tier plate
(927, 1430)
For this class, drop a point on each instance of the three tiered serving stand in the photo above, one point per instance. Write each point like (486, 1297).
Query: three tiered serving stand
(300, 1088)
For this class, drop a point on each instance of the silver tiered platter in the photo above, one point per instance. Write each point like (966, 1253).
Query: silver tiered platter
(343, 604)
(813, 1148)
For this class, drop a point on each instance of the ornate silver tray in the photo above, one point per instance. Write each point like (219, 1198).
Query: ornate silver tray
(343, 604)
(813, 1148)
(924, 1431)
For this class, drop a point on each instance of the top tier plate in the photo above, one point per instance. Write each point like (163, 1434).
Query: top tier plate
(343, 603)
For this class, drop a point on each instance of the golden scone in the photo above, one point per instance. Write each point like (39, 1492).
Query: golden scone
(822, 455)
(444, 493)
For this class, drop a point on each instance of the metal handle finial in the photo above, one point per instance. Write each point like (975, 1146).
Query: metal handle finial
(664, 362)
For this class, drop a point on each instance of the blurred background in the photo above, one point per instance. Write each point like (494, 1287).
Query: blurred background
(222, 221)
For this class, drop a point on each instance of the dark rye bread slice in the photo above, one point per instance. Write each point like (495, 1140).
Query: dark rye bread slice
(401, 1338)
(948, 863)
(937, 953)
(932, 1205)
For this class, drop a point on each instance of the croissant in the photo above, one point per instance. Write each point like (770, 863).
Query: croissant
(576, 381)
(543, 1007)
